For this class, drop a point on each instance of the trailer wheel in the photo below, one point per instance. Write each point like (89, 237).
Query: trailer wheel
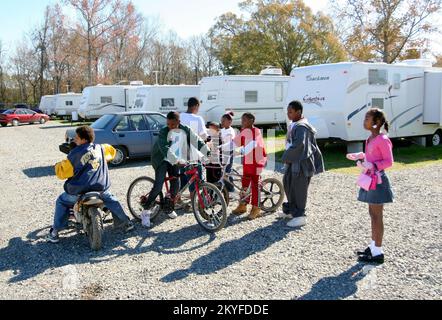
(435, 139)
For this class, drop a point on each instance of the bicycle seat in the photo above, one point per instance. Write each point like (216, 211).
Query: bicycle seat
(91, 198)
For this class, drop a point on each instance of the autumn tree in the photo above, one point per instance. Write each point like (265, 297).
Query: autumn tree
(385, 29)
(130, 41)
(97, 18)
(59, 51)
(284, 33)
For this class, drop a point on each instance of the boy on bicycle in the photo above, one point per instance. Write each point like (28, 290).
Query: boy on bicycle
(174, 146)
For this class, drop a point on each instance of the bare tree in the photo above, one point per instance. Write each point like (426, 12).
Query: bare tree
(40, 37)
(2, 74)
(385, 29)
(97, 19)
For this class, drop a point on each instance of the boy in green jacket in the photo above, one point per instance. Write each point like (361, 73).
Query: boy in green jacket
(173, 148)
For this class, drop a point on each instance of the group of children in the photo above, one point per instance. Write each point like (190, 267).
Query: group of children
(302, 159)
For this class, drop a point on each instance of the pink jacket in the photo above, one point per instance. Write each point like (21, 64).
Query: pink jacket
(379, 151)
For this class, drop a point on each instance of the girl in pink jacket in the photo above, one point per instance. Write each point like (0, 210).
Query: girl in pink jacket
(378, 157)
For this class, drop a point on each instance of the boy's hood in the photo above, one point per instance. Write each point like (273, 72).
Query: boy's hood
(304, 122)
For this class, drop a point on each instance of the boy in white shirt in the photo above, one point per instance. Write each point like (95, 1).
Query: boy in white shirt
(198, 126)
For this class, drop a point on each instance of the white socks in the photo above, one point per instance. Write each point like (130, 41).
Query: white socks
(375, 251)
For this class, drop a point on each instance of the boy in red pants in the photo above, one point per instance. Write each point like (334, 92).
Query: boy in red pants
(254, 161)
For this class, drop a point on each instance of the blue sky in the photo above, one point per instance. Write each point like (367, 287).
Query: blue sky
(18, 16)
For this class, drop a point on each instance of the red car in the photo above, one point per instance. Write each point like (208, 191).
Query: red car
(17, 116)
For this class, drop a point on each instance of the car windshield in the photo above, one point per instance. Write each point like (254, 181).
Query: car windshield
(8, 112)
(102, 122)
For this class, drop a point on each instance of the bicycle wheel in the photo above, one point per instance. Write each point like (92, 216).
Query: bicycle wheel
(138, 193)
(213, 216)
(271, 195)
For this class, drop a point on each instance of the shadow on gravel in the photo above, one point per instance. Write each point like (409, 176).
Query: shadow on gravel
(339, 287)
(39, 172)
(233, 251)
(33, 256)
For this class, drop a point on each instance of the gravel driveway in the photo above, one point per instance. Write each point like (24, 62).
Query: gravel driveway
(176, 259)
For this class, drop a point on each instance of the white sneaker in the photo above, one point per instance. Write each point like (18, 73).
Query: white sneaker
(145, 218)
(297, 222)
(173, 215)
(282, 215)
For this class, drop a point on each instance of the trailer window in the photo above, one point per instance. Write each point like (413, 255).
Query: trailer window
(377, 77)
(279, 92)
(106, 99)
(186, 102)
(397, 81)
(212, 96)
(168, 102)
(138, 103)
(69, 103)
(377, 103)
(251, 96)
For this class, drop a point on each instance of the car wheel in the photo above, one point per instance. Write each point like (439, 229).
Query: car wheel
(120, 157)
(15, 123)
(42, 121)
(435, 139)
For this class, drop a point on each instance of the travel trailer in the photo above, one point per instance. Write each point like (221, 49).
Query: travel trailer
(263, 95)
(164, 98)
(67, 103)
(47, 104)
(99, 100)
(337, 96)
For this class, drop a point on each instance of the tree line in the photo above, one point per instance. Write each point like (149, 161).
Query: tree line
(110, 41)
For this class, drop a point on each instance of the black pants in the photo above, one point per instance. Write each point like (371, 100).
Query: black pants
(160, 176)
(296, 189)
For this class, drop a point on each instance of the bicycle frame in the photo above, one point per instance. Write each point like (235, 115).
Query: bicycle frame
(193, 172)
(225, 178)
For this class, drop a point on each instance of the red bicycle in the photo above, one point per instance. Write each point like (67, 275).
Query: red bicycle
(208, 203)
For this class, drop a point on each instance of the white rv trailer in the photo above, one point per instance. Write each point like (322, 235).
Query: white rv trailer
(67, 103)
(99, 100)
(164, 98)
(337, 96)
(263, 95)
(47, 104)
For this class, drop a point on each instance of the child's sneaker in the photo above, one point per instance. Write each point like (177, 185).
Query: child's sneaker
(145, 218)
(282, 215)
(297, 222)
(173, 215)
(51, 237)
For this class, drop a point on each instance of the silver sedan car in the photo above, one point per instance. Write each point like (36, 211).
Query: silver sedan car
(132, 134)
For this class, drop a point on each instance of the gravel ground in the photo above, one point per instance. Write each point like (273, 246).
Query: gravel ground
(176, 259)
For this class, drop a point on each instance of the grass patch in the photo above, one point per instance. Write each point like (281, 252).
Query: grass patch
(406, 156)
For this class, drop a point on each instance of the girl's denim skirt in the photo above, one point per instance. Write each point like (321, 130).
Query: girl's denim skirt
(382, 195)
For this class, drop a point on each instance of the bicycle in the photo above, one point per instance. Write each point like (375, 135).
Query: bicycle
(208, 204)
(271, 190)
